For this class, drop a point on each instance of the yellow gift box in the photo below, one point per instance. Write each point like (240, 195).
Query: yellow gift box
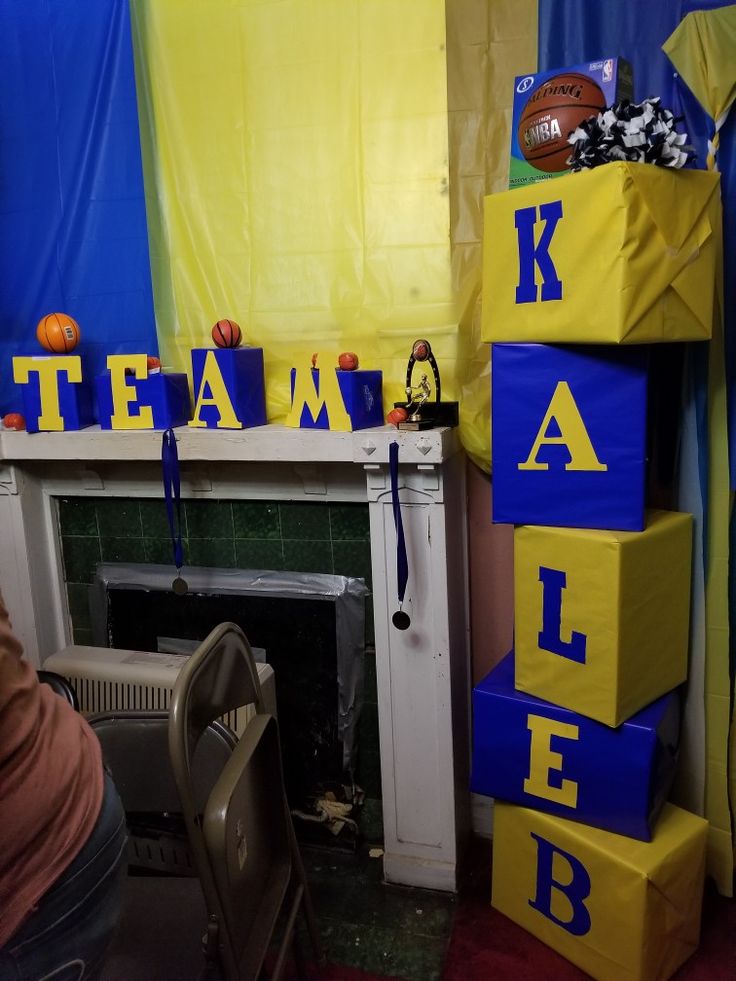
(602, 617)
(618, 908)
(624, 253)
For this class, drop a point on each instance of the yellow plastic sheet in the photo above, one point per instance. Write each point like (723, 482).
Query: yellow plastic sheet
(296, 164)
(308, 175)
(489, 43)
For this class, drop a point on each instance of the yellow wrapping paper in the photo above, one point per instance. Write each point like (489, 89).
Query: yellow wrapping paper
(641, 902)
(631, 253)
(626, 593)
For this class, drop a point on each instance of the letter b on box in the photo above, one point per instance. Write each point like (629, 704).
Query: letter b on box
(616, 907)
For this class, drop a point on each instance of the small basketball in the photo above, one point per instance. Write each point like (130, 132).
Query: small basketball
(14, 420)
(226, 333)
(553, 111)
(397, 415)
(58, 333)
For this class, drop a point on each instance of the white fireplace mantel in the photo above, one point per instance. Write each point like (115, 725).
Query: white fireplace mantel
(423, 673)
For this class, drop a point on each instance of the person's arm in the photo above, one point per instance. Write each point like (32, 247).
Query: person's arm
(11, 650)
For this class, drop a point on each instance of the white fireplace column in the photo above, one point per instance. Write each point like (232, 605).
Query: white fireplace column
(423, 672)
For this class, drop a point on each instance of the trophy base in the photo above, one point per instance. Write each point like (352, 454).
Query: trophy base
(431, 416)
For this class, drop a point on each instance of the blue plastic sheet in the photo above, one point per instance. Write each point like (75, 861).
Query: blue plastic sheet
(73, 234)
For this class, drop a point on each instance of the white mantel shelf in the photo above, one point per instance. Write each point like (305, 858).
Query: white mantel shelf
(422, 673)
(262, 444)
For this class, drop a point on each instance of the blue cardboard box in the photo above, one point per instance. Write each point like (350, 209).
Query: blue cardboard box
(362, 397)
(568, 437)
(166, 393)
(55, 395)
(233, 389)
(530, 752)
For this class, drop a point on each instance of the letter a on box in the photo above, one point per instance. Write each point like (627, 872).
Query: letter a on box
(569, 435)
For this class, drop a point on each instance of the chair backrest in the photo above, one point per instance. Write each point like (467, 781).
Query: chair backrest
(135, 747)
(60, 685)
(246, 817)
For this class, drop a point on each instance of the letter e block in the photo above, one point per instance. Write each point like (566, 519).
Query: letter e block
(568, 435)
(615, 907)
(530, 752)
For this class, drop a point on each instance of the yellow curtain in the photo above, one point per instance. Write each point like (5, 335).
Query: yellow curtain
(296, 164)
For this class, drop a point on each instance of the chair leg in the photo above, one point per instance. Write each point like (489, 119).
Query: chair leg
(308, 910)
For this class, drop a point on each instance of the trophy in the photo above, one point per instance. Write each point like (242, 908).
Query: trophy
(420, 410)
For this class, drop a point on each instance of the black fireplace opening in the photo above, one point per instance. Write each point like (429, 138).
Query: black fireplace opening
(308, 627)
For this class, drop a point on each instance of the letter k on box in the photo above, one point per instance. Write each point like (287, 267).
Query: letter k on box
(622, 910)
(620, 254)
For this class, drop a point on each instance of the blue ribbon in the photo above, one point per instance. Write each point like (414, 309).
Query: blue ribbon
(402, 562)
(172, 493)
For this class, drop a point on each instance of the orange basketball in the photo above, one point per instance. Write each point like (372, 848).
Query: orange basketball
(226, 333)
(58, 333)
(553, 111)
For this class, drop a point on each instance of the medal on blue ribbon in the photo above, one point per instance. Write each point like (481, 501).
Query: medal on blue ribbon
(172, 496)
(400, 619)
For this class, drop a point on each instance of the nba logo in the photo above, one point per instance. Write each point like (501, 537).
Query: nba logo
(607, 70)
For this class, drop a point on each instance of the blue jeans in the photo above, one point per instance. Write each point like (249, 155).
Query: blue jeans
(66, 938)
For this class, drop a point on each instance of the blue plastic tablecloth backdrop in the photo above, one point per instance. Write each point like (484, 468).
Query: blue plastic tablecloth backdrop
(73, 234)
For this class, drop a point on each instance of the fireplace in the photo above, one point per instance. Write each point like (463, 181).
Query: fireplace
(423, 682)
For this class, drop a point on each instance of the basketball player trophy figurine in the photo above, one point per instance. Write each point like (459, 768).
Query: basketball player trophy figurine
(420, 411)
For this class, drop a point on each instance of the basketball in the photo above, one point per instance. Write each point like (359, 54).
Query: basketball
(553, 111)
(58, 333)
(226, 333)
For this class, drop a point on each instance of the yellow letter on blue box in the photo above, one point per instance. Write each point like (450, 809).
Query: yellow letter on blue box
(602, 617)
(621, 909)
(55, 396)
(229, 389)
(621, 254)
(129, 397)
(532, 752)
(329, 398)
(568, 435)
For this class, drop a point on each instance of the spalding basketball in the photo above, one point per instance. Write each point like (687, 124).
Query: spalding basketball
(553, 111)
(58, 333)
(226, 333)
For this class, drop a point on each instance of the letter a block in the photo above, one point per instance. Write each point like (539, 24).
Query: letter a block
(531, 752)
(603, 257)
(602, 617)
(229, 388)
(568, 435)
(620, 909)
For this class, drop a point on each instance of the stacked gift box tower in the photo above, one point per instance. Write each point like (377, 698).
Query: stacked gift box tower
(576, 730)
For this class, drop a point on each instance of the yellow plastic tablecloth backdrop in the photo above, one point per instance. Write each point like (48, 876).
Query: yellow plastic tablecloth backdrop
(296, 157)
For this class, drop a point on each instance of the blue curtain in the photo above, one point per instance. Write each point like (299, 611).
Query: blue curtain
(574, 31)
(73, 234)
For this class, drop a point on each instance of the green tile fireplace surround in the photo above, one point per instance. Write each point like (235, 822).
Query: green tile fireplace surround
(276, 535)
